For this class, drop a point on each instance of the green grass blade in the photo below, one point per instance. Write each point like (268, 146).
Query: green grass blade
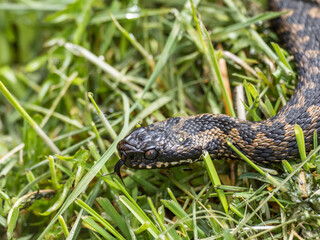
(74, 232)
(28, 118)
(12, 221)
(96, 227)
(115, 216)
(301, 144)
(140, 215)
(98, 218)
(172, 39)
(63, 226)
(182, 215)
(212, 59)
(214, 177)
(279, 51)
(103, 117)
(3, 222)
(256, 19)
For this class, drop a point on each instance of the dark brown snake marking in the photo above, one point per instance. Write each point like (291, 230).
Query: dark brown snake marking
(181, 140)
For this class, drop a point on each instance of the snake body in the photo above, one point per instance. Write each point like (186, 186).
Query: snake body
(181, 140)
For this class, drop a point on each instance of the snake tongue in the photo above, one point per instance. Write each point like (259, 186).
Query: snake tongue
(117, 168)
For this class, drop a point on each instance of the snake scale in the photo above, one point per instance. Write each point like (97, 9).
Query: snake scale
(181, 140)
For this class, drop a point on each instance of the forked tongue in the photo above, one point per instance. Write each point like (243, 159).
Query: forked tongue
(117, 168)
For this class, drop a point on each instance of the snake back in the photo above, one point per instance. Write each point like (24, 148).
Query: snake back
(181, 140)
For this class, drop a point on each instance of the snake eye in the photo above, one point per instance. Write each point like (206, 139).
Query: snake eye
(151, 154)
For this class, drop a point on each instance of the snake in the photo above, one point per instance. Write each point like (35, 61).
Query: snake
(182, 140)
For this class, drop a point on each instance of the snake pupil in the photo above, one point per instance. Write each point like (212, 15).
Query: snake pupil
(151, 154)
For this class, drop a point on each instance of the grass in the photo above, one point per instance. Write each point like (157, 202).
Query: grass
(64, 64)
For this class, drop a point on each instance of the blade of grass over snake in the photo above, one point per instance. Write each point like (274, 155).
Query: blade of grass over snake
(258, 169)
(82, 185)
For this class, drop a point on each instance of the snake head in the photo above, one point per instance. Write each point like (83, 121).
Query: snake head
(159, 145)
